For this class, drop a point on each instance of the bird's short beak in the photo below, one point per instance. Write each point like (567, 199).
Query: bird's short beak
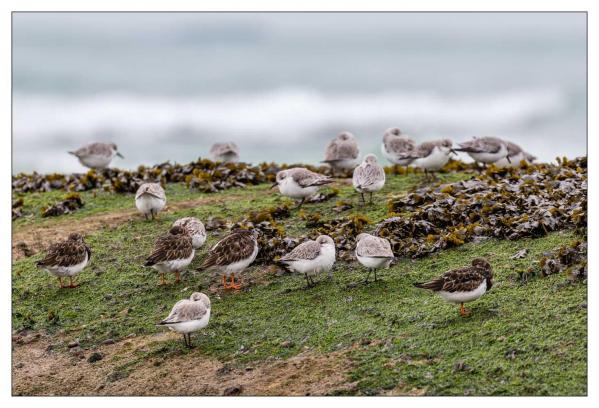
(276, 183)
(508, 159)
(453, 151)
(120, 155)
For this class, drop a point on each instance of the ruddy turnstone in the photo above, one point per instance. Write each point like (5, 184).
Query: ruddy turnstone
(396, 146)
(431, 156)
(464, 284)
(96, 155)
(173, 252)
(188, 316)
(194, 228)
(312, 257)
(368, 177)
(299, 182)
(232, 255)
(515, 155)
(485, 150)
(67, 258)
(373, 253)
(150, 199)
(342, 152)
(225, 152)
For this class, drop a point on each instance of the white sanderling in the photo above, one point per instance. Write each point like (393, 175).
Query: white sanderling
(96, 155)
(342, 152)
(67, 258)
(172, 253)
(194, 228)
(432, 156)
(232, 254)
(300, 183)
(150, 199)
(369, 177)
(396, 146)
(188, 316)
(225, 152)
(485, 150)
(516, 155)
(373, 252)
(311, 258)
(464, 284)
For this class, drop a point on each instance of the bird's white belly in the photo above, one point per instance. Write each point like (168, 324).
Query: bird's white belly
(96, 161)
(501, 163)
(489, 158)
(371, 188)
(66, 271)
(463, 297)
(175, 265)
(147, 203)
(239, 266)
(370, 262)
(346, 163)
(197, 240)
(394, 158)
(191, 325)
(291, 189)
(227, 158)
(433, 161)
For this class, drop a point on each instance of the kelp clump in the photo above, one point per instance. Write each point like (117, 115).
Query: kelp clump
(17, 209)
(71, 202)
(569, 259)
(529, 201)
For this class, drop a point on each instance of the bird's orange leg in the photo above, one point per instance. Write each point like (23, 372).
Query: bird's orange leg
(463, 310)
(162, 280)
(60, 280)
(72, 285)
(225, 282)
(178, 275)
(233, 285)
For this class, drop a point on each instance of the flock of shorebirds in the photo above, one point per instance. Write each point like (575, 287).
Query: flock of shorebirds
(174, 251)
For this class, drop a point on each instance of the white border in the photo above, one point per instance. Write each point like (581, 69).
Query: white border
(6, 6)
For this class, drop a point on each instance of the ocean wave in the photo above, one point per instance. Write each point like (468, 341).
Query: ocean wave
(286, 114)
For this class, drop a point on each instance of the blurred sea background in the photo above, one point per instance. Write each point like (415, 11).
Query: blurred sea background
(165, 86)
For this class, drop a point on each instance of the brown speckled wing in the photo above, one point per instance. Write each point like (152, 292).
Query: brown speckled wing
(400, 145)
(306, 250)
(233, 248)
(65, 253)
(307, 178)
(374, 247)
(169, 248)
(457, 280)
(153, 189)
(368, 174)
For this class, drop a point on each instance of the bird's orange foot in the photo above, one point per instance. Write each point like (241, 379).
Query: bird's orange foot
(234, 286)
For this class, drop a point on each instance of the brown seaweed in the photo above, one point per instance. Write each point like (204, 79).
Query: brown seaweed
(71, 202)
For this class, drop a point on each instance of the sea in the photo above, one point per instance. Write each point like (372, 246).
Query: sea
(166, 86)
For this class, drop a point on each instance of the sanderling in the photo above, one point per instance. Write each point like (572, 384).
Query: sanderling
(232, 255)
(225, 152)
(150, 199)
(194, 228)
(299, 182)
(396, 146)
(464, 284)
(485, 150)
(516, 155)
(188, 316)
(368, 177)
(312, 257)
(373, 252)
(432, 156)
(172, 253)
(342, 152)
(67, 258)
(96, 155)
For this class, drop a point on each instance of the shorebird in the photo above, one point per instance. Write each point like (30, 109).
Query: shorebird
(67, 258)
(368, 177)
(172, 253)
(225, 152)
(188, 316)
(300, 183)
(232, 255)
(342, 152)
(396, 146)
(485, 150)
(515, 155)
(373, 253)
(194, 228)
(150, 199)
(464, 284)
(96, 155)
(431, 156)
(311, 258)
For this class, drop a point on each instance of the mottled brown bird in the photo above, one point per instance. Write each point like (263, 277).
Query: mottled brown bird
(173, 252)
(67, 258)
